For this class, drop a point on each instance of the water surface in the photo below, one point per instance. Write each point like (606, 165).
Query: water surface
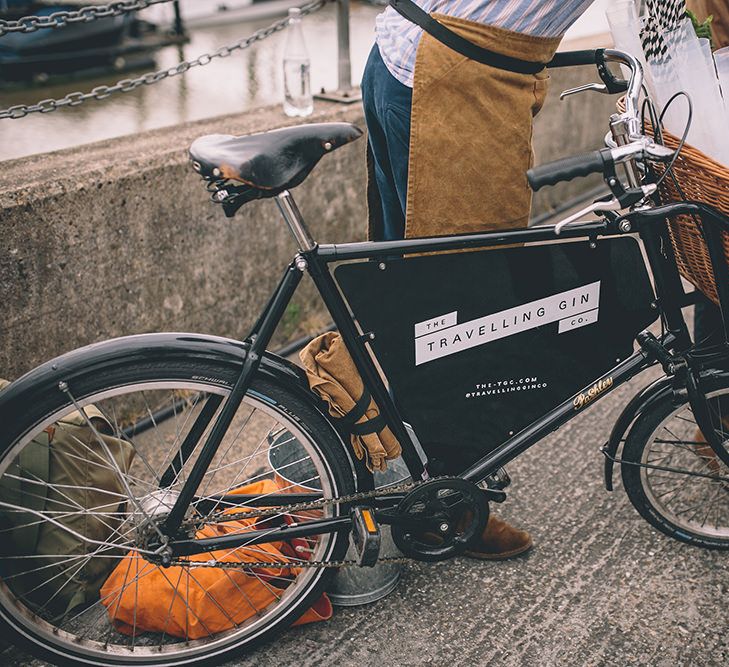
(244, 80)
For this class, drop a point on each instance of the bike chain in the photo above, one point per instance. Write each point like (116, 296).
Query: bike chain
(283, 565)
(283, 509)
(231, 515)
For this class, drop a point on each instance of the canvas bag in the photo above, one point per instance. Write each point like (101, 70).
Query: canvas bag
(194, 603)
(64, 469)
(332, 375)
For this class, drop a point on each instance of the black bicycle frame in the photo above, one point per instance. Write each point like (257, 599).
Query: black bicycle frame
(649, 224)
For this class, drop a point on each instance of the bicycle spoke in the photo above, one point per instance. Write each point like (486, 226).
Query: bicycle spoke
(186, 612)
(244, 467)
(122, 477)
(176, 587)
(711, 502)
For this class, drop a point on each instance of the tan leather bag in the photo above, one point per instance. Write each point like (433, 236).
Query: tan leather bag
(333, 376)
(63, 470)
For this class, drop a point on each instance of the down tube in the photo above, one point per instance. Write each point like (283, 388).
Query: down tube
(319, 272)
(573, 406)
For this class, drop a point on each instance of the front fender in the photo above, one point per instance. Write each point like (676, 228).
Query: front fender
(643, 400)
(104, 356)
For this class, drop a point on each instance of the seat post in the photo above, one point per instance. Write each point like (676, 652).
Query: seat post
(292, 215)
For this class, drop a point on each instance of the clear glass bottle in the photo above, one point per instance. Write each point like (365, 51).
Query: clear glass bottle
(298, 100)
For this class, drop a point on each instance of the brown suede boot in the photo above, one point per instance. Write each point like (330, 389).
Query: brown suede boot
(500, 541)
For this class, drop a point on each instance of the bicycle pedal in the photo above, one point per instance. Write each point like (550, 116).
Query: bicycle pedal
(498, 480)
(365, 536)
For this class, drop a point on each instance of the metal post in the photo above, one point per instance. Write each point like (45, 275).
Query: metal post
(179, 28)
(344, 63)
(344, 93)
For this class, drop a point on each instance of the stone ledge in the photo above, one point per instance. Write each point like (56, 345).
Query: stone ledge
(87, 165)
(119, 236)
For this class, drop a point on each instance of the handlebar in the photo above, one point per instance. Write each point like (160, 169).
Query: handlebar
(600, 58)
(602, 161)
(635, 85)
(573, 58)
(596, 57)
(568, 168)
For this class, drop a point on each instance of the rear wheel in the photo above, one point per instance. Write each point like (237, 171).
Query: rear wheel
(82, 495)
(673, 477)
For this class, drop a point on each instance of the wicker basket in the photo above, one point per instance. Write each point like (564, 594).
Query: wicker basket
(705, 180)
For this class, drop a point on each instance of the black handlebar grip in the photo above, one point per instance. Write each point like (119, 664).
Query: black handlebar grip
(568, 168)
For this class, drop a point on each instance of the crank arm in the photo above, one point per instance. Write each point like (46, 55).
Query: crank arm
(395, 519)
(388, 501)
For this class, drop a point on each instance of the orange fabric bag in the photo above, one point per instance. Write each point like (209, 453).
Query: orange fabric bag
(199, 602)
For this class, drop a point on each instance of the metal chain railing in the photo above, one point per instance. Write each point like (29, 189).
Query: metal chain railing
(127, 85)
(84, 15)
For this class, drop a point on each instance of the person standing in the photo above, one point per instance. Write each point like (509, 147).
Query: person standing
(449, 136)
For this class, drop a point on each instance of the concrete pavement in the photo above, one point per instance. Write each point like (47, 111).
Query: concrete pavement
(601, 587)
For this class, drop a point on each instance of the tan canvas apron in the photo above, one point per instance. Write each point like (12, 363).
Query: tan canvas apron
(471, 132)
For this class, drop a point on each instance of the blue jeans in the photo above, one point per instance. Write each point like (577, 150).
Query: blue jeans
(387, 113)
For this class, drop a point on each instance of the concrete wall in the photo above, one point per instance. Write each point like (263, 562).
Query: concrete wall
(119, 237)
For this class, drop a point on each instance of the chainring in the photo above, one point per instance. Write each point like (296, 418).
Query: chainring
(440, 518)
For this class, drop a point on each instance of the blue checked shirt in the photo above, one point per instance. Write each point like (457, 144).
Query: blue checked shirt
(398, 38)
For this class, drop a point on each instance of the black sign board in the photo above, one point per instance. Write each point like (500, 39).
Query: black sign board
(478, 345)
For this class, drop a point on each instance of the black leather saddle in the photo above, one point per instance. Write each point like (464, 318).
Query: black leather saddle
(266, 163)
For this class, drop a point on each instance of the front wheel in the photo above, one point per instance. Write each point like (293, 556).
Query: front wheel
(673, 477)
(90, 470)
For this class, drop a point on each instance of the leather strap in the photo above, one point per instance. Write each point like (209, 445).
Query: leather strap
(357, 412)
(374, 425)
(349, 421)
(461, 45)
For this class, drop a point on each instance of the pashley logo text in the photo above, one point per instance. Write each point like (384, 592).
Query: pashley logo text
(442, 336)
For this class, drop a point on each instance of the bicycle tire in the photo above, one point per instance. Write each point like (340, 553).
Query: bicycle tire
(691, 509)
(121, 387)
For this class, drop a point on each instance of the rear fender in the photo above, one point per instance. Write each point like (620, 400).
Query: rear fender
(105, 356)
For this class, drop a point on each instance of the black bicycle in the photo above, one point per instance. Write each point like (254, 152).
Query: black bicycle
(220, 459)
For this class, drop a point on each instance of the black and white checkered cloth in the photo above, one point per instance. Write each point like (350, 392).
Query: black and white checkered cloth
(662, 16)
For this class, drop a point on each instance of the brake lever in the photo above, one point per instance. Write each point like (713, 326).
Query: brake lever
(599, 205)
(597, 87)
(630, 198)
